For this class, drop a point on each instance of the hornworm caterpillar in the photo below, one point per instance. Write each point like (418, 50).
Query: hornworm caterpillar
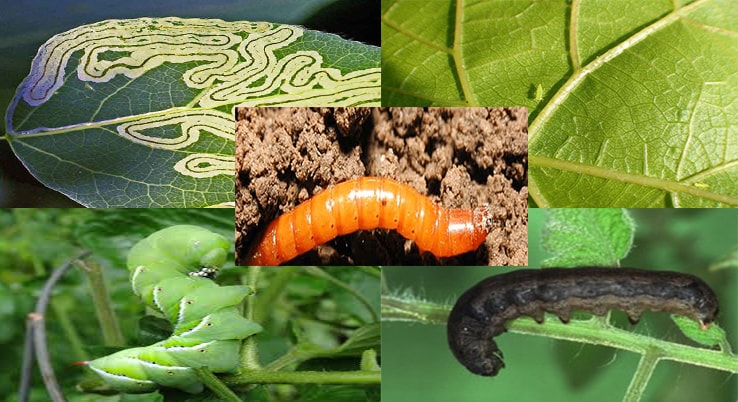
(170, 271)
(481, 312)
(371, 203)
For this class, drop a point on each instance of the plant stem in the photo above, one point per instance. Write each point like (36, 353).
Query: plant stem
(642, 375)
(303, 377)
(395, 308)
(249, 352)
(112, 336)
(214, 384)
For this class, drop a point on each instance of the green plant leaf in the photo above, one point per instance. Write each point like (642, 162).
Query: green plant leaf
(638, 99)
(365, 337)
(138, 113)
(600, 237)
(711, 336)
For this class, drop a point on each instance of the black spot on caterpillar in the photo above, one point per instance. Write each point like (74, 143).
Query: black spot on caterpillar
(481, 312)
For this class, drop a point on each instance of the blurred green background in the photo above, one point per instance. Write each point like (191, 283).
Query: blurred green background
(312, 316)
(33, 242)
(418, 366)
(26, 25)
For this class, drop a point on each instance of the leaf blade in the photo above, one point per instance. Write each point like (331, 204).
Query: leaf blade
(637, 105)
(138, 113)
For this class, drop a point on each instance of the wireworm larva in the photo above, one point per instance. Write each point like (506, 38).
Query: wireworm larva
(481, 312)
(371, 203)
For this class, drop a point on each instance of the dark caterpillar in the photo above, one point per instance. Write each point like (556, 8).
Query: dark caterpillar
(481, 312)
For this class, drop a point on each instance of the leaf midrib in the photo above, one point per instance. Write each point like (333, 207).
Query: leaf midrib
(623, 177)
(44, 131)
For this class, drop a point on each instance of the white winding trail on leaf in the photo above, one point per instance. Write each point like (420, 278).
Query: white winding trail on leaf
(234, 62)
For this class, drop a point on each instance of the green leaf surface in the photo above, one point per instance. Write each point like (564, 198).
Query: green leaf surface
(138, 113)
(637, 100)
(580, 237)
(365, 337)
(711, 336)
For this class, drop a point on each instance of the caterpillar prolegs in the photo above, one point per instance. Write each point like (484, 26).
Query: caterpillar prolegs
(170, 271)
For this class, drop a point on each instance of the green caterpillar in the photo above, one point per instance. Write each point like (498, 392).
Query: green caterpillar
(170, 271)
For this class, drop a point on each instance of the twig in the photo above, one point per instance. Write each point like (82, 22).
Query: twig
(36, 329)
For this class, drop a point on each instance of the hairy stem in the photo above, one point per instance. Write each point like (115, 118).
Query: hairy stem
(643, 373)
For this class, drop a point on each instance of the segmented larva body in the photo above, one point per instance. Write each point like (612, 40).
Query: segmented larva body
(482, 311)
(170, 271)
(371, 203)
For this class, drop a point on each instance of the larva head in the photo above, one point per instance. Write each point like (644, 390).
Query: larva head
(705, 303)
(470, 337)
(472, 348)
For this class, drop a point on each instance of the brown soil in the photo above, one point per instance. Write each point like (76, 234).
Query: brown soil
(459, 157)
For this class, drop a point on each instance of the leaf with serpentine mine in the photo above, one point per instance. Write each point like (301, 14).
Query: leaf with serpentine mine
(138, 113)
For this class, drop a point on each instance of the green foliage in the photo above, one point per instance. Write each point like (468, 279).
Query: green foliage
(152, 122)
(32, 243)
(580, 237)
(712, 336)
(640, 96)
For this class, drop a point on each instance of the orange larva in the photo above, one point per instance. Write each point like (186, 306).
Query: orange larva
(371, 203)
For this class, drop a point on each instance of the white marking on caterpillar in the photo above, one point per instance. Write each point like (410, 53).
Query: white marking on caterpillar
(183, 303)
(156, 291)
(120, 377)
(200, 346)
(202, 324)
(134, 278)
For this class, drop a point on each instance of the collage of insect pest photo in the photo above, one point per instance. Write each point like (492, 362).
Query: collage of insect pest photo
(331, 200)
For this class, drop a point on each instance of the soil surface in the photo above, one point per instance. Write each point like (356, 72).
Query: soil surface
(459, 157)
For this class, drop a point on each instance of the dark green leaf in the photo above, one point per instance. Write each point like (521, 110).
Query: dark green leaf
(138, 113)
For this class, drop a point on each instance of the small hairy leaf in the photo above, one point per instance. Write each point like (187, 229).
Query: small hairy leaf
(691, 329)
(600, 237)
